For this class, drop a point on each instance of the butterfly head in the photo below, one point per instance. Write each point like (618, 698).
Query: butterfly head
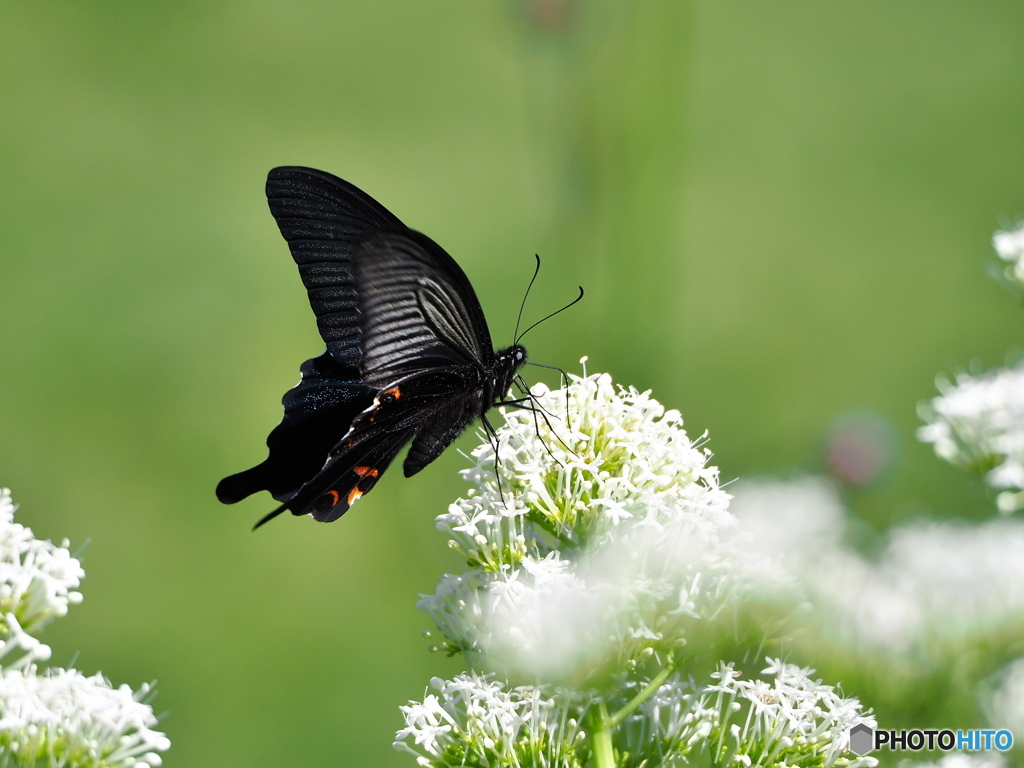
(506, 363)
(512, 358)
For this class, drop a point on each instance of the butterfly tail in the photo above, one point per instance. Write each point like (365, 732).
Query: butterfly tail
(346, 477)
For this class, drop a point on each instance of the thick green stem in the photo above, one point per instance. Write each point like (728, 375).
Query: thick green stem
(640, 698)
(601, 739)
(601, 730)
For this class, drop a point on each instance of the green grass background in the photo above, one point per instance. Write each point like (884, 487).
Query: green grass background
(781, 212)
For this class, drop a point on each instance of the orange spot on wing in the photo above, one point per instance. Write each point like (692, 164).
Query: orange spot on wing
(367, 471)
(335, 497)
(395, 392)
(354, 494)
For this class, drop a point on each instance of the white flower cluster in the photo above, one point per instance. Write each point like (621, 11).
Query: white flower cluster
(930, 582)
(473, 721)
(609, 534)
(1010, 247)
(978, 423)
(790, 719)
(63, 718)
(57, 717)
(38, 580)
(594, 557)
(1004, 704)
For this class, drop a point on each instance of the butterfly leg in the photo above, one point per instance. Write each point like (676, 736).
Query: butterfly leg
(529, 403)
(528, 397)
(492, 438)
(565, 382)
(544, 413)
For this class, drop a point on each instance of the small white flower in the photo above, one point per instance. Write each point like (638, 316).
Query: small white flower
(19, 649)
(1010, 247)
(978, 423)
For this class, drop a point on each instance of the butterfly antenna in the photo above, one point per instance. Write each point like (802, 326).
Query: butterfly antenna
(574, 301)
(522, 306)
(270, 516)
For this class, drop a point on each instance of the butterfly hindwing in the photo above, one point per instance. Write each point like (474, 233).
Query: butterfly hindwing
(317, 411)
(396, 416)
(347, 476)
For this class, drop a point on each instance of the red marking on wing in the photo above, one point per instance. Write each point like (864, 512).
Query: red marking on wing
(367, 471)
(335, 497)
(354, 494)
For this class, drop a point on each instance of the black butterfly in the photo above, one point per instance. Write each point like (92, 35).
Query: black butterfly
(408, 358)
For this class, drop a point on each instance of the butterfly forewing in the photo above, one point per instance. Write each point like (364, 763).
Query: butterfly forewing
(324, 219)
(417, 309)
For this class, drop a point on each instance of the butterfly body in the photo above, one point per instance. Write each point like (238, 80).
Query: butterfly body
(408, 361)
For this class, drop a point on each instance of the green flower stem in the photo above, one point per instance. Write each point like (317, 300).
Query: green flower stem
(601, 739)
(601, 736)
(641, 697)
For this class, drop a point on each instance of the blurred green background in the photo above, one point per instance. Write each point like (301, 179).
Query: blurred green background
(780, 212)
